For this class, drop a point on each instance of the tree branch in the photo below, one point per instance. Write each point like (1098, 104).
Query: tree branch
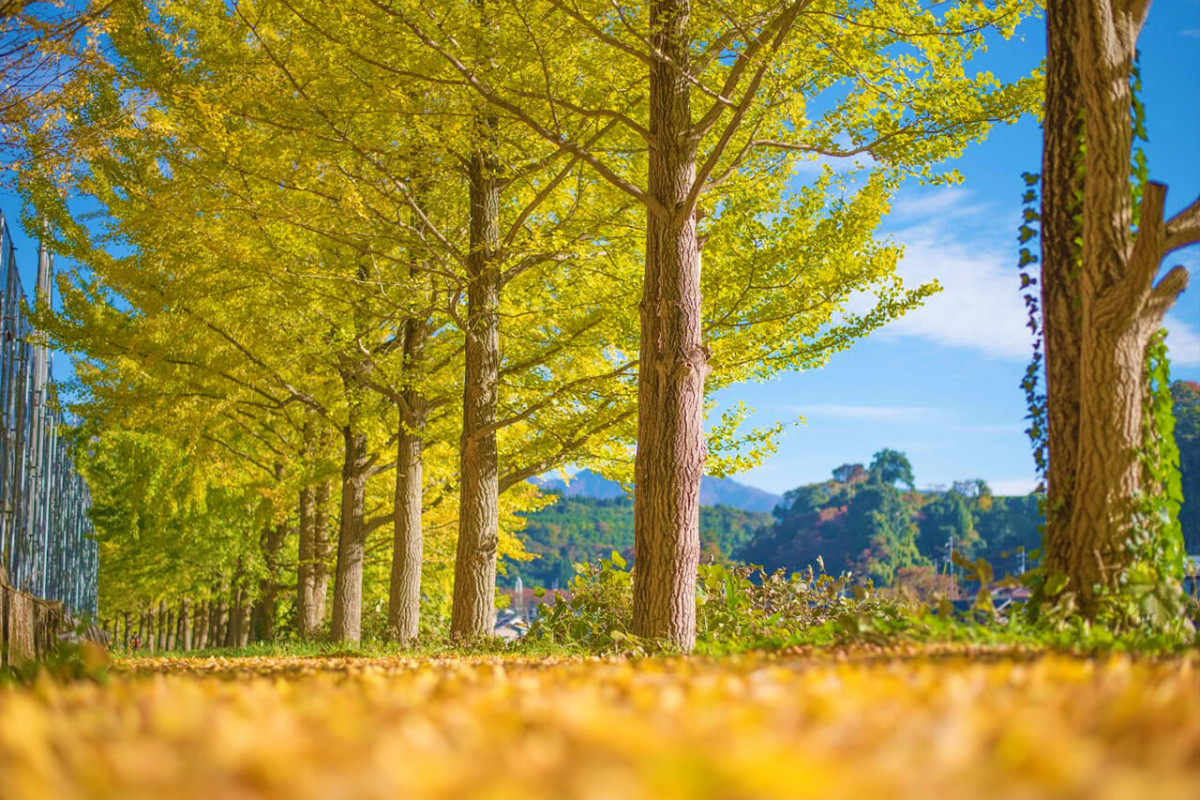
(1183, 229)
(1147, 247)
(554, 137)
(1164, 295)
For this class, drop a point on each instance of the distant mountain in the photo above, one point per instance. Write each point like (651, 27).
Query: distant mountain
(585, 483)
(713, 491)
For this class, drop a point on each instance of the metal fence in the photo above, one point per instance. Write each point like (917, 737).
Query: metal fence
(46, 543)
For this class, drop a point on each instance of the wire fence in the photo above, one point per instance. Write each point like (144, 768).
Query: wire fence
(46, 543)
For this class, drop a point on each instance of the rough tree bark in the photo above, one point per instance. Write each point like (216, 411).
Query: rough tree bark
(244, 619)
(233, 629)
(268, 604)
(306, 623)
(1121, 305)
(200, 639)
(473, 612)
(674, 363)
(161, 626)
(220, 617)
(404, 599)
(321, 553)
(311, 570)
(1061, 227)
(352, 536)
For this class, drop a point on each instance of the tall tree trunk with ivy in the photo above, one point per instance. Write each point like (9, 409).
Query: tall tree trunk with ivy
(1121, 310)
(1061, 226)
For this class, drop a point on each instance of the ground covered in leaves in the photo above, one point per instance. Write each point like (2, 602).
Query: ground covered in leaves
(950, 724)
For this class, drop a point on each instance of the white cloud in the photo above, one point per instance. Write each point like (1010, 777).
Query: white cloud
(945, 203)
(1183, 342)
(889, 414)
(1007, 487)
(980, 305)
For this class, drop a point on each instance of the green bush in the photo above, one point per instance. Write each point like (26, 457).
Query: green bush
(737, 608)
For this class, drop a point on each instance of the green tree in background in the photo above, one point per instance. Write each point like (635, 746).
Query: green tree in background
(577, 529)
(944, 518)
(1186, 399)
(892, 467)
(862, 523)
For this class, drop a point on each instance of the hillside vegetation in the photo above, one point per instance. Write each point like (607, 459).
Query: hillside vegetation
(578, 529)
(869, 521)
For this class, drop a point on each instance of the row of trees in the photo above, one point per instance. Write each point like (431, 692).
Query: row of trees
(381, 263)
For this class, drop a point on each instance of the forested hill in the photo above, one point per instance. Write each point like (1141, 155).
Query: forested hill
(713, 491)
(578, 529)
(868, 520)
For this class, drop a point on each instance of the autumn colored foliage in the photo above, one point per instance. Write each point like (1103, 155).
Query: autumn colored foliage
(857, 723)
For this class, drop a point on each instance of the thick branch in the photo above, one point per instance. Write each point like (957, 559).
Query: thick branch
(772, 32)
(1147, 248)
(1183, 229)
(556, 138)
(1164, 295)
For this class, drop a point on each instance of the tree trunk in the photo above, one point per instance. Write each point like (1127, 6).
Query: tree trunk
(268, 603)
(219, 616)
(307, 624)
(125, 633)
(185, 625)
(673, 361)
(404, 598)
(160, 632)
(203, 619)
(245, 608)
(1121, 308)
(473, 612)
(1061, 228)
(347, 587)
(321, 548)
(169, 632)
(234, 615)
(200, 636)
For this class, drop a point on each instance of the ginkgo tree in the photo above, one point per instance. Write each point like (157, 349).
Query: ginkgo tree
(178, 168)
(672, 103)
(399, 237)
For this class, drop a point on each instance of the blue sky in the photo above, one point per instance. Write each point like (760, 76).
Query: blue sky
(942, 384)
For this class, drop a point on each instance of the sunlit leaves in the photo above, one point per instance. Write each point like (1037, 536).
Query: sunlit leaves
(839, 725)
